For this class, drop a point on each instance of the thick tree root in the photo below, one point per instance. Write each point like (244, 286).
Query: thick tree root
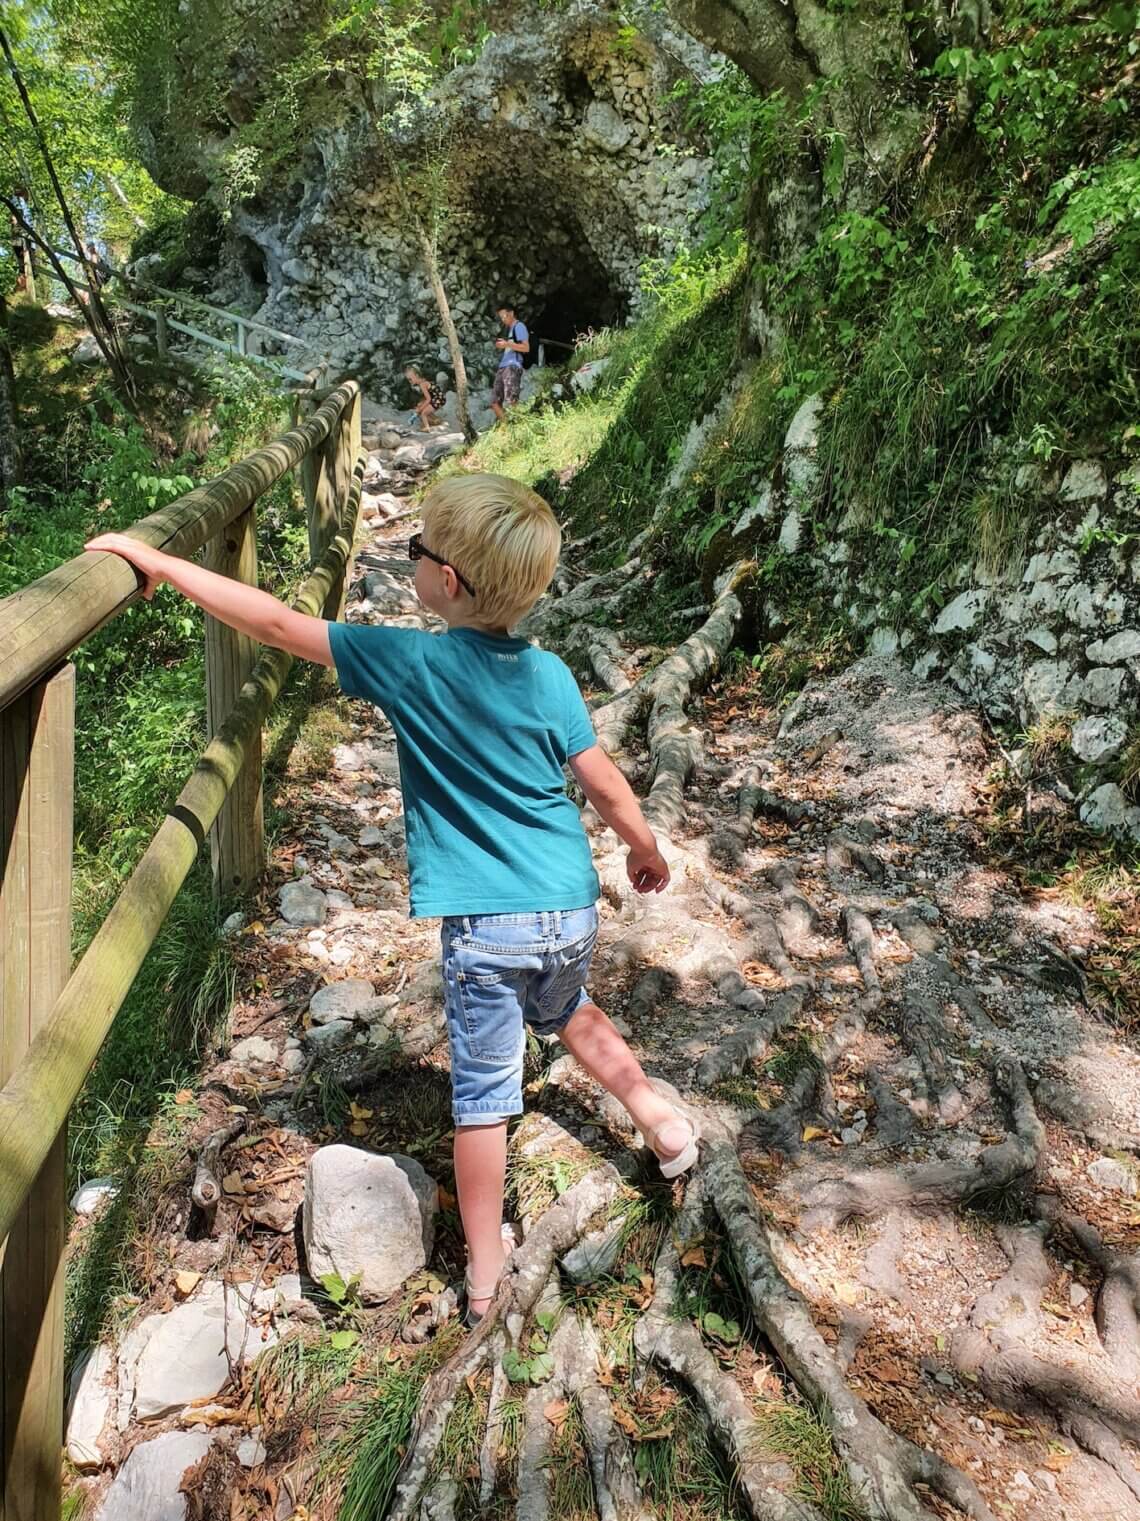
(1118, 1302)
(676, 1344)
(846, 853)
(750, 1043)
(765, 943)
(797, 917)
(883, 1467)
(922, 1031)
(871, 1192)
(860, 939)
(529, 1268)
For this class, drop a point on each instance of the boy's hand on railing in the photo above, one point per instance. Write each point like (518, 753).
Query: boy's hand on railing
(146, 560)
(648, 870)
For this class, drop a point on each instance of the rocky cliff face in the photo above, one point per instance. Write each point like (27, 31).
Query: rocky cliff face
(569, 167)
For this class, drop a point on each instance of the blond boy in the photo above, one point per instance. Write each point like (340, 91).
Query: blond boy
(484, 724)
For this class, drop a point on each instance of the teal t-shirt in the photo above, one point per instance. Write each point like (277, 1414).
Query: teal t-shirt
(484, 725)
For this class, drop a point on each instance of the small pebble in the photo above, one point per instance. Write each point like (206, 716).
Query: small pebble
(1077, 1295)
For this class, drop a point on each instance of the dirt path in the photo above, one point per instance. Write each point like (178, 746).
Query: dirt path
(913, 1238)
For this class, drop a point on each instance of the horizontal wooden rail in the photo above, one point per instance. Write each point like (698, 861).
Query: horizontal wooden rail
(35, 1102)
(44, 621)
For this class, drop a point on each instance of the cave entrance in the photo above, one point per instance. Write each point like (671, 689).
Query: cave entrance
(251, 261)
(583, 298)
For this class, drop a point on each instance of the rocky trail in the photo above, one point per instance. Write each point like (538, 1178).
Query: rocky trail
(903, 1281)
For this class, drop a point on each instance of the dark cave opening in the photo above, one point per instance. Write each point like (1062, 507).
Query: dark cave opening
(251, 261)
(583, 298)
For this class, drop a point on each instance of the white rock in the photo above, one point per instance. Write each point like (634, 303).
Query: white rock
(444, 444)
(1122, 646)
(293, 1060)
(146, 1487)
(962, 613)
(926, 664)
(338, 900)
(346, 758)
(91, 1195)
(604, 127)
(233, 923)
(1077, 1293)
(342, 954)
(1084, 481)
(368, 1214)
(342, 1000)
(1043, 683)
(1111, 1174)
(302, 903)
(801, 441)
(328, 1037)
(1097, 740)
(182, 1355)
(1108, 810)
(89, 1407)
(789, 540)
(1043, 638)
(1061, 564)
(250, 1450)
(1098, 688)
(1079, 606)
(254, 1048)
(884, 641)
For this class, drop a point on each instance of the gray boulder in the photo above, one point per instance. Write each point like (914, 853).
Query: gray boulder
(302, 903)
(369, 1215)
(1108, 810)
(146, 1487)
(342, 1000)
(1098, 740)
(89, 1407)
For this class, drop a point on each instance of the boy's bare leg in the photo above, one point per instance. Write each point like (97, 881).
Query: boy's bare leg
(591, 1039)
(480, 1173)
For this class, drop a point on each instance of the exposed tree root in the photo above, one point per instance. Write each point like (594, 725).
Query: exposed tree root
(1118, 1302)
(751, 1042)
(797, 917)
(207, 1188)
(847, 853)
(528, 1270)
(728, 844)
(676, 1345)
(765, 944)
(860, 939)
(894, 1121)
(872, 1192)
(922, 1031)
(884, 1468)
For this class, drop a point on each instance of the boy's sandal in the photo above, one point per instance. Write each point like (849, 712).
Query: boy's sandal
(673, 1167)
(473, 1317)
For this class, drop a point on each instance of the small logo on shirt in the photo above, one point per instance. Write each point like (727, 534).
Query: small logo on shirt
(508, 657)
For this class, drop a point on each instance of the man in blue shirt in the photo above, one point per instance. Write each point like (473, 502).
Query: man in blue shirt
(508, 377)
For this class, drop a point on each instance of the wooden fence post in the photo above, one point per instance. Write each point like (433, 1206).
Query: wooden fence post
(237, 840)
(160, 334)
(318, 482)
(37, 765)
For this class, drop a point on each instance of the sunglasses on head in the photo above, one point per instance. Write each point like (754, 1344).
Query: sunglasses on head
(418, 550)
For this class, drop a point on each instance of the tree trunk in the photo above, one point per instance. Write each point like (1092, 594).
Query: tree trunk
(11, 460)
(441, 301)
(121, 196)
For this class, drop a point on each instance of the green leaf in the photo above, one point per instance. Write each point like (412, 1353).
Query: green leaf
(547, 1319)
(342, 1340)
(538, 1342)
(515, 1367)
(334, 1286)
(541, 1367)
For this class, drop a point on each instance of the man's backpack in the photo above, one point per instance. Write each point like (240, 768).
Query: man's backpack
(532, 357)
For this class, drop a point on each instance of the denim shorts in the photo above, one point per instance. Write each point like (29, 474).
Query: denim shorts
(499, 972)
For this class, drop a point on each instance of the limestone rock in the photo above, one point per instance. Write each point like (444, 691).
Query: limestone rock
(1108, 810)
(342, 1000)
(368, 1214)
(884, 641)
(1099, 688)
(89, 1407)
(604, 127)
(1043, 684)
(800, 444)
(327, 1037)
(146, 1487)
(302, 903)
(962, 613)
(444, 444)
(1084, 481)
(1113, 1175)
(254, 1048)
(1122, 646)
(1043, 638)
(88, 1197)
(1098, 740)
(179, 1357)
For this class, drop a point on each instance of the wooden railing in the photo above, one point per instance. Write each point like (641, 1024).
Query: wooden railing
(165, 324)
(53, 1019)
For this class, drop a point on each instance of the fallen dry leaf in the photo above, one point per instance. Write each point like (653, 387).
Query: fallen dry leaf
(814, 1133)
(232, 1183)
(556, 1412)
(694, 1257)
(184, 1096)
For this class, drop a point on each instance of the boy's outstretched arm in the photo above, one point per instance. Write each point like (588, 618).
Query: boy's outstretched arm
(245, 608)
(613, 799)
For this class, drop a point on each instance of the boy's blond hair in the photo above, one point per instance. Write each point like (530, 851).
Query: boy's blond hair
(501, 535)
